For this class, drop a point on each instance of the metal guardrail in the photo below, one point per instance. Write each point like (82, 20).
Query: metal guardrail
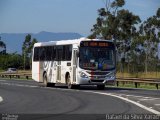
(138, 81)
(16, 75)
(135, 81)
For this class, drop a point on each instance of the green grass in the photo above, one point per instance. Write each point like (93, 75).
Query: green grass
(1, 70)
(139, 75)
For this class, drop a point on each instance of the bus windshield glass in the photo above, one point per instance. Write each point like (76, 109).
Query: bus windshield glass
(97, 57)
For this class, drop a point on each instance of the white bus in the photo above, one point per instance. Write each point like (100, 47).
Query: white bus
(74, 62)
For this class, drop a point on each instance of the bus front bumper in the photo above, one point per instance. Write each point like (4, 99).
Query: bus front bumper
(87, 81)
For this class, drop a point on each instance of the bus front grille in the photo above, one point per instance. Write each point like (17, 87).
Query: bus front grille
(97, 73)
(97, 80)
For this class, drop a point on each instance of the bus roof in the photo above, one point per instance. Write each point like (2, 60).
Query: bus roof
(67, 42)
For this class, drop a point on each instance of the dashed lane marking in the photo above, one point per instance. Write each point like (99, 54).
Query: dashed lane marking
(141, 98)
(2, 80)
(149, 99)
(20, 85)
(1, 99)
(157, 104)
(135, 96)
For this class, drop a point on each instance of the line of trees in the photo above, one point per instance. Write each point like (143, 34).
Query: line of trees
(136, 41)
(15, 60)
(27, 51)
(2, 47)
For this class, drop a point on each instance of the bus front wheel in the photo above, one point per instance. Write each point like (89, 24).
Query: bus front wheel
(70, 86)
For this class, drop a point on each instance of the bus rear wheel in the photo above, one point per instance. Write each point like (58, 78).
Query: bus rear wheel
(45, 81)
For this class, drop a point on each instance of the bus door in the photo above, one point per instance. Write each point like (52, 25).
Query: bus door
(74, 66)
(58, 64)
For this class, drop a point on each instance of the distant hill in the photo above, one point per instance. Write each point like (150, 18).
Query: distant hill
(14, 41)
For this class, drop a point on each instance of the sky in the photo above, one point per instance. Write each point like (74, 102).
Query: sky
(78, 16)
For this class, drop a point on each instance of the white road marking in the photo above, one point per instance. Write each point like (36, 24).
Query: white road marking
(1, 99)
(142, 97)
(2, 80)
(149, 99)
(135, 96)
(20, 85)
(157, 104)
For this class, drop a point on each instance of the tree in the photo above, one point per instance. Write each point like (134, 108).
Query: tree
(27, 50)
(113, 23)
(148, 39)
(11, 60)
(116, 24)
(2, 47)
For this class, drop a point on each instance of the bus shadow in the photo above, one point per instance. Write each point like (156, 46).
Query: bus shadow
(107, 88)
(117, 88)
(93, 87)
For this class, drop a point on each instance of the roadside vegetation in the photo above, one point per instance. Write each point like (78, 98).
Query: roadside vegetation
(16, 60)
(136, 40)
(139, 75)
(141, 86)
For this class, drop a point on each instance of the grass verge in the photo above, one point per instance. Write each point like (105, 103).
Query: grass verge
(142, 85)
(139, 75)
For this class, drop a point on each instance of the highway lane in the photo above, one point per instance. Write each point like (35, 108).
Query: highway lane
(26, 97)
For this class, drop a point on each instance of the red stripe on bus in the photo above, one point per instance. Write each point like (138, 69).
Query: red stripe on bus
(92, 75)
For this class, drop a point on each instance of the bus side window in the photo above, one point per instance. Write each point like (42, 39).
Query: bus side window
(68, 52)
(59, 50)
(53, 53)
(64, 53)
(42, 54)
(48, 51)
(36, 54)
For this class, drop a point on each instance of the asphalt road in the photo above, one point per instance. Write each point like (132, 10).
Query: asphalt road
(30, 101)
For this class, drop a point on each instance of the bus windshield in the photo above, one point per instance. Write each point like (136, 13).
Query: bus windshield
(96, 58)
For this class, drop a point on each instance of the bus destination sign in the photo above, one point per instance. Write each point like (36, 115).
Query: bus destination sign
(95, 44)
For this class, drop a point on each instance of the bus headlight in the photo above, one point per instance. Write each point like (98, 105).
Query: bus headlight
(83, 75)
